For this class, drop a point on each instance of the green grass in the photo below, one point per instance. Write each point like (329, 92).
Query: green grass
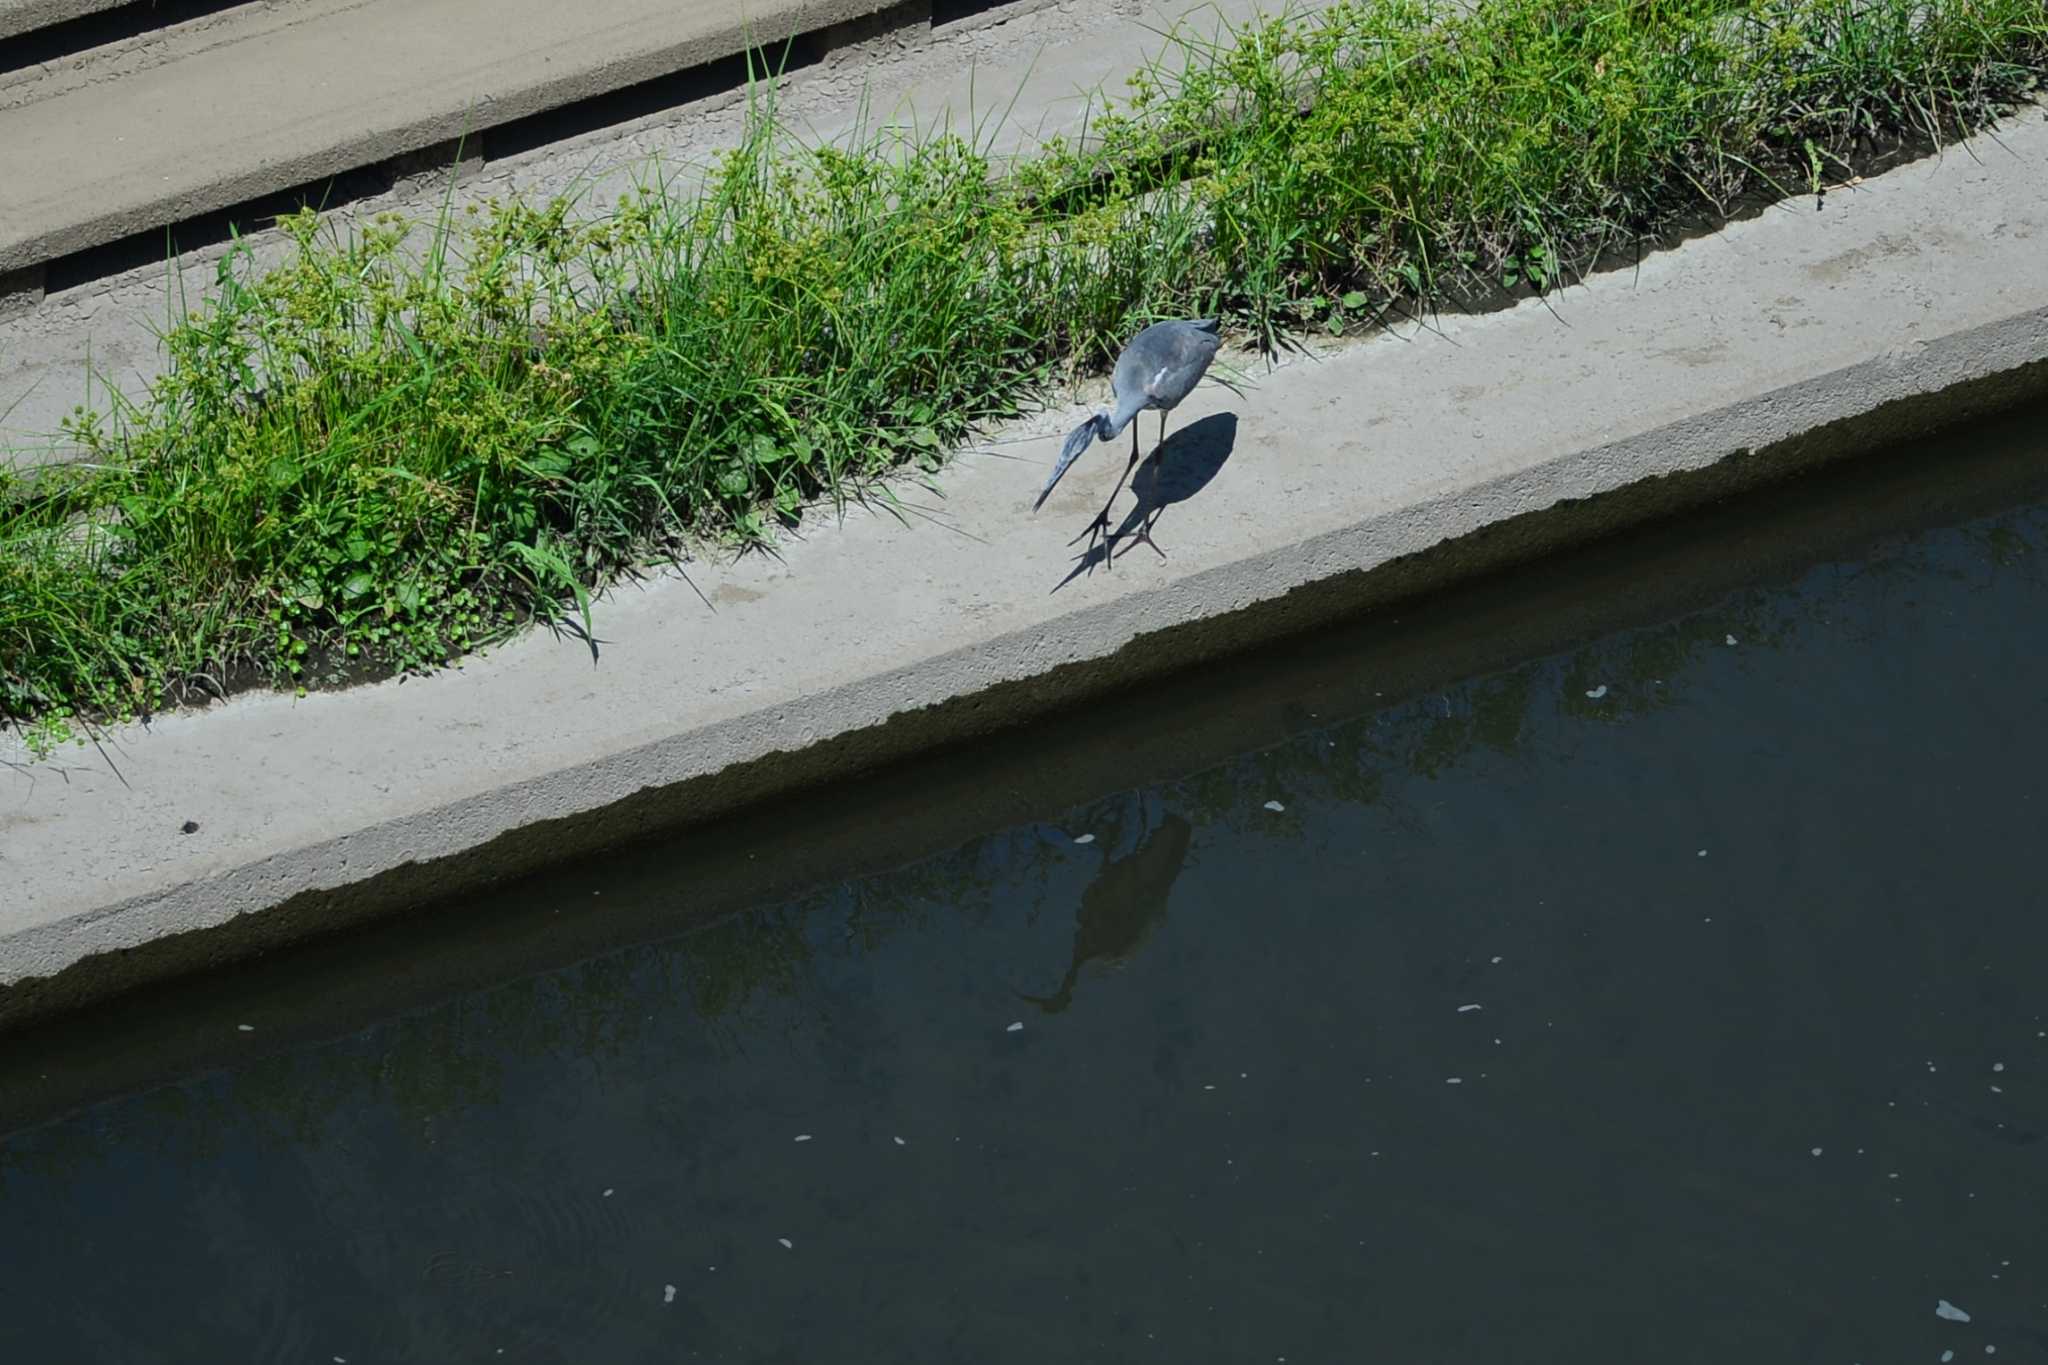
(408, 440)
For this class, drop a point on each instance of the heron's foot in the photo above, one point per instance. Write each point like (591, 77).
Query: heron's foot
(1098, 529)
(1143, 535)
(1095, 528)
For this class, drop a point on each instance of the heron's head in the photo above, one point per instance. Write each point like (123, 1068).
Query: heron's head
(1095, 429)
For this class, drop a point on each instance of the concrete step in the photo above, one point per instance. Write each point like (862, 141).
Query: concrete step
(1015, 72)
(256, 99)
(31, 16)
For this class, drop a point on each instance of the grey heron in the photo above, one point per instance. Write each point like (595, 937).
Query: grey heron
(1160, 366)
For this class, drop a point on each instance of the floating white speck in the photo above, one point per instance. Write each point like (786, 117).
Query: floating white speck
(1948, 1355)
(1467, 1009)
(1816, 1151)
(1016, 1026)
(1990, 1350)
(1496, 961)
(607, 1194)
(1275, 806)
(668, 1293)
(1731, 639)
(245, 1028)
(1208, 1087)
(1944, 1309)
(787, 1245)
(899, 1142)
(1596, 693)
(803, 1137)
(1454, 1080)
(1998, 1090)
(1084, 838)
(1703, 853)
(1998, 1066)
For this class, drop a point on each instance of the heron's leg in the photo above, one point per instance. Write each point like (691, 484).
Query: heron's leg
(1144, 531)
(1100, 526)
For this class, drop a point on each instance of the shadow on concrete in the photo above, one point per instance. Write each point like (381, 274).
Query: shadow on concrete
(1180, 467)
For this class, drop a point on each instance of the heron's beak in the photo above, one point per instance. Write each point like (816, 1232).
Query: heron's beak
(1078, 440)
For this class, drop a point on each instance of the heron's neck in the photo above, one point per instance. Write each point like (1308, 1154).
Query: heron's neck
(1109, 423)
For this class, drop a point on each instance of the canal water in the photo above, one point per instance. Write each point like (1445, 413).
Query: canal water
(1674, 994)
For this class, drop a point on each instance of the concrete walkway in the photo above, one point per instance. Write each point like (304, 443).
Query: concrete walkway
(1791, 338)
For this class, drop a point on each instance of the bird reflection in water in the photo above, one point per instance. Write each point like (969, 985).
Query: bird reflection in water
(1123, 905)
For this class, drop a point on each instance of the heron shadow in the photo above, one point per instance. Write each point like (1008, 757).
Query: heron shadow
(1182, 466)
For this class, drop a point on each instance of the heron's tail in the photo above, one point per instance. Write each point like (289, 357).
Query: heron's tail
(1078, 440)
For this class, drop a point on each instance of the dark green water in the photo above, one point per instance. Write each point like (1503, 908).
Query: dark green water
(1677, 996)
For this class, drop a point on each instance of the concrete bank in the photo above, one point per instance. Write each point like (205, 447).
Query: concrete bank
(1349, 480)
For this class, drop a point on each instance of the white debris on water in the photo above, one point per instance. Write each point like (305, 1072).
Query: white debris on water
(787, 1245)
(1703, 853)
(1998, 1066)
(607, 1194)
(899, 1142)
(668, 1293)
(1816, 1151)
(1454, 1080)
(1944, 1309)
(245, 1028)
(1084, 838)
(1948, 1356)
(803, 1137)
(1467, 1009)
(1496, 960)
(1208, 1087)
(1731, 639)
(1016, 1026)
(1596, 693)
(1275, 806)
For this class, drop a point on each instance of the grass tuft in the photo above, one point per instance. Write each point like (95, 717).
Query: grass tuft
(410, 439)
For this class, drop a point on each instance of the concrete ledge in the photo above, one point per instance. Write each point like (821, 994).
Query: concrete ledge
(26, 16)
(277, 98)
(1374, 472)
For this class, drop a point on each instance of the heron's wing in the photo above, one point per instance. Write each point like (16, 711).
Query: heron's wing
(1078, 440)
(1164, 362)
